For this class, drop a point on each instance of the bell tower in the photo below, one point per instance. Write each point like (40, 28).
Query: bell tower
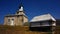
(20, 10)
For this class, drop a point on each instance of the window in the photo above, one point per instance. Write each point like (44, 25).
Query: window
(8, 21)
(44, 23)
(35, 24)
(12, 19)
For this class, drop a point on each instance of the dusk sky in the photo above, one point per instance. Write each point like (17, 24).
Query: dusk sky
(31, 7)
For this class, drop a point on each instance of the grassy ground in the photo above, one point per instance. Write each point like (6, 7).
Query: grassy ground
(22, 30)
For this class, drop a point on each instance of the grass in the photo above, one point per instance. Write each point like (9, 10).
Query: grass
(22, 30)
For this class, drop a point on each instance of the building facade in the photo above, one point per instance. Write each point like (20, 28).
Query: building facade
(43, 23)
(17, 19)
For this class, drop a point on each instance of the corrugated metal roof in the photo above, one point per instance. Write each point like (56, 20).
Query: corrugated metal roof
(42, 18)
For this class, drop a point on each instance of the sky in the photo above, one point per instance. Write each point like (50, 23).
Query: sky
(32, 8)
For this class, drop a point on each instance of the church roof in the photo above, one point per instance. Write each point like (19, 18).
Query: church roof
(13, 15)
(42, 18)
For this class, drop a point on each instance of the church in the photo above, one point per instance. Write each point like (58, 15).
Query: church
(16, 19)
